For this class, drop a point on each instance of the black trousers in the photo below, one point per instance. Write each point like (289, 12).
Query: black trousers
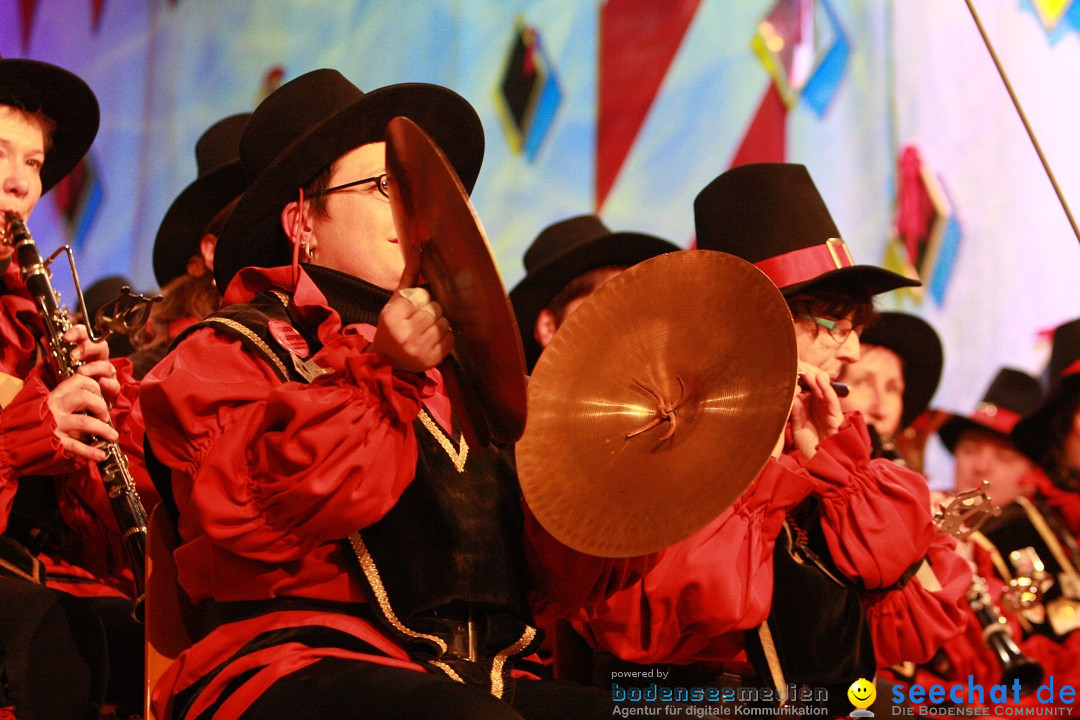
(350, 690)
(53, 656)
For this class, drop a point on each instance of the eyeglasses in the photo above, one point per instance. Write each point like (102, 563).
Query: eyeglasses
(381, 183)
(840, 330)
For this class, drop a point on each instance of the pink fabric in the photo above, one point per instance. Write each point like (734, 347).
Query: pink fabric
(914, 209)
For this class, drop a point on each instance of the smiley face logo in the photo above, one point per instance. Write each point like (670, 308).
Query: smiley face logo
(862, 693)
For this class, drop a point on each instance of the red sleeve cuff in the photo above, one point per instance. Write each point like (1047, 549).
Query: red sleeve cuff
(840, 456)
(29, 444)
(401, 391)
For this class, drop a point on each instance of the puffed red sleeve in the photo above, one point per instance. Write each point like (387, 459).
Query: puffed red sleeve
(875, 514)
(717, 581)
(912, 622)
(28, 442)
(280, 468)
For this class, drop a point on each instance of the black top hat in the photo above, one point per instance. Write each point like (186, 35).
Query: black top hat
(1032, 434)
(220, 180)
(919, 348)
(1011, 396)
(562, 252)
(771, 214)
(65, 99)
(309, 122)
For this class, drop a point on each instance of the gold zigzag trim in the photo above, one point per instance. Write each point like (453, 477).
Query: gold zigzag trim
(456, 456)
(367, 564)
(246, 332)
(500, 659)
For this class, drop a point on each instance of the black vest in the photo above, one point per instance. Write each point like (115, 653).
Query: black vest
(817, 630)
(451, 549)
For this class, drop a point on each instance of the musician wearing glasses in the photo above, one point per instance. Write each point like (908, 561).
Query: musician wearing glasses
(60, 539)
(352, 555)
(821, 581)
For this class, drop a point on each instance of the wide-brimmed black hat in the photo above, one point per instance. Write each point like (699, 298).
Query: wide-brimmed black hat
(919, 347)
(304, 126)
(1032, 434)
(1011, 396)
(220, 180)
(562, 252)
(65, 99)
(771, 215)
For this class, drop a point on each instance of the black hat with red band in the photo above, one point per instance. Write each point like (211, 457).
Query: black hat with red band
(772, 215)
(1011, 396)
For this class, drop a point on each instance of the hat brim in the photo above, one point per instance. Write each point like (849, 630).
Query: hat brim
(874, 280)
(535, 291)
(1031, 435)
(65, 99)
(919, 347)
(951, 429)
(253, 233)
(183, 225)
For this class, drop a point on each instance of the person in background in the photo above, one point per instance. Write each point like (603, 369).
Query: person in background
(184, 247)
(893, 381)
(565, 264)
(1035, 538)
(982, 445)
(984, 451)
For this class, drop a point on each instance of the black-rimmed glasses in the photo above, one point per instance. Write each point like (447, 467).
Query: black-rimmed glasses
(381, 183)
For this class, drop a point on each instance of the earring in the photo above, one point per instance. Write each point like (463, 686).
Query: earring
(309, 252)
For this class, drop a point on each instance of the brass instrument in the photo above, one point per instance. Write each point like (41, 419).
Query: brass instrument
(119, 484)
(956, 520)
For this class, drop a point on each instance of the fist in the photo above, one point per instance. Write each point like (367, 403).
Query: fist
(412, 332)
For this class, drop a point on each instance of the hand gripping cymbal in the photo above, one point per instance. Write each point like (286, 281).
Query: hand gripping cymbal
(446, 249)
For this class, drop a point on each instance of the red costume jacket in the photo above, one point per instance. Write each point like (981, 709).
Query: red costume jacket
(269, 476)
(89, 561)
(693, 606)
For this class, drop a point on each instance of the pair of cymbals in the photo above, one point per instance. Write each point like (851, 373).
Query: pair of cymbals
(657, 402)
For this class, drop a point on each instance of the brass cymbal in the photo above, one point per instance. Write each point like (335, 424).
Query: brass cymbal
(702, 332)
(445, 245)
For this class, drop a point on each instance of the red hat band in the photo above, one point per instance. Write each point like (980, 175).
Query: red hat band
(806, 263)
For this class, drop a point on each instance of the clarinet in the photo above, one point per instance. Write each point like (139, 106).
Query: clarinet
(974, 505)
(1015, 665)
(119, 485)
